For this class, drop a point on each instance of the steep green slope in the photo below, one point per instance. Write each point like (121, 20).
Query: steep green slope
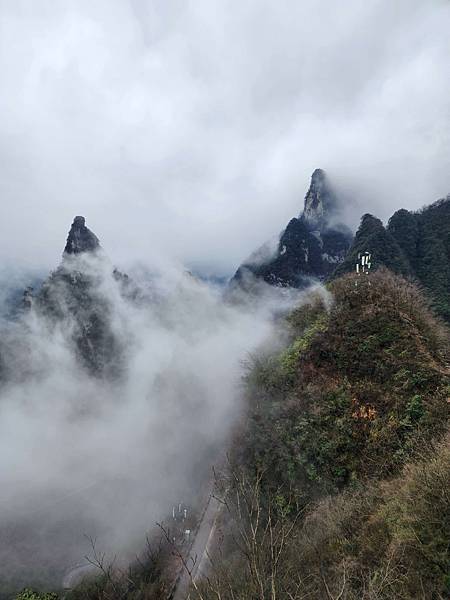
(348, 397)
(432, 258)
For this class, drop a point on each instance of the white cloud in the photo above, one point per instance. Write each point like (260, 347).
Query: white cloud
(88, 455)
(191, 130)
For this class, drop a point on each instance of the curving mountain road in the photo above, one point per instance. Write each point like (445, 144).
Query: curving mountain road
(197, 560)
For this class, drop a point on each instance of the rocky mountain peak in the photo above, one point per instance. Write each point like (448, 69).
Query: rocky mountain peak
(311, 246)
(80, 238)
(319, 201)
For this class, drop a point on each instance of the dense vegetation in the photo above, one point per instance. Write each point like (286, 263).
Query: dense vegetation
(356, 384)
(28, 594)
(340, 485)
(415, 244)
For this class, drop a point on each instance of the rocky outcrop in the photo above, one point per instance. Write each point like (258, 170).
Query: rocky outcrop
(310, 247)
(80, 238)
(320, 202)
(75, 294)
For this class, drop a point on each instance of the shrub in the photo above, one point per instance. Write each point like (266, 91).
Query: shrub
(28, 594)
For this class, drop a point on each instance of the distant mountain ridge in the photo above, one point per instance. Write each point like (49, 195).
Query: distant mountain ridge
(310, 247)
(414, 244)
(314, 246)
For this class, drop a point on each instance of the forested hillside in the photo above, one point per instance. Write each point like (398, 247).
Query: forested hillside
(415, 244)
(339, 482)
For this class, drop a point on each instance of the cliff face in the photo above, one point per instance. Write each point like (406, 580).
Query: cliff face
(320, 202)
(310, 247)
(80, 238)
(75, 293)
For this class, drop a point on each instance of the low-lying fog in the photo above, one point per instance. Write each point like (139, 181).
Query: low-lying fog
(107, 457)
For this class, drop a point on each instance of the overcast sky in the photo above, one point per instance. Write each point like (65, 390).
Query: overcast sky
(190, 129)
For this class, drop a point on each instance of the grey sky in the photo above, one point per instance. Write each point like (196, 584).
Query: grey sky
(190, 129)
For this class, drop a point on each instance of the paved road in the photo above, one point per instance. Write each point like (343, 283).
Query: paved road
(197, 561)
(198, 556)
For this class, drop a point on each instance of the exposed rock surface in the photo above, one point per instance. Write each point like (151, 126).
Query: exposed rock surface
(80, 238)
(320, 201)
(311, 246)
(75, 294)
